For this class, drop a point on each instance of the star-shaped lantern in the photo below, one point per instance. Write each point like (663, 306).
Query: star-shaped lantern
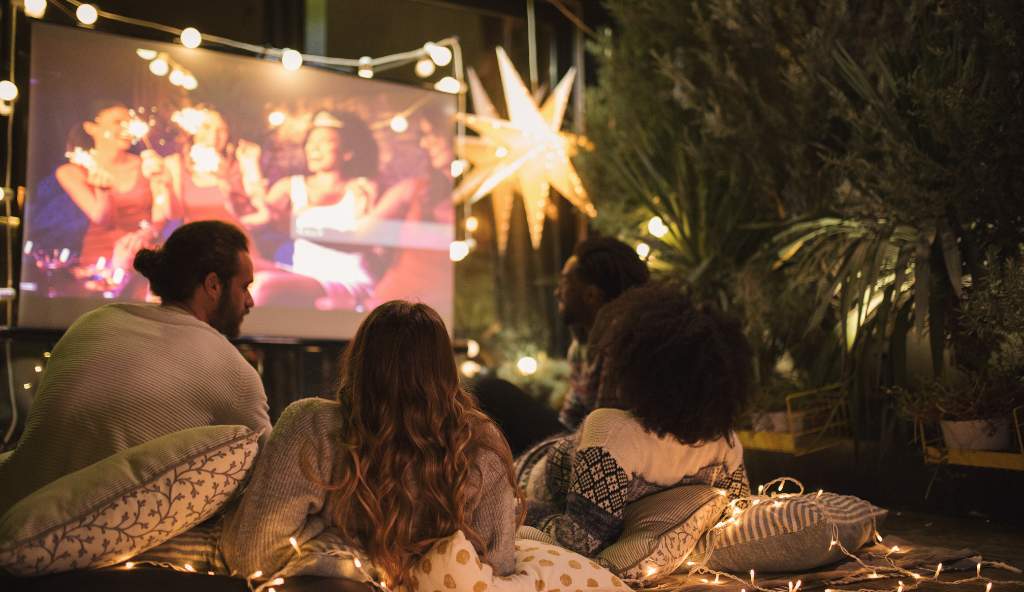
(527, 153)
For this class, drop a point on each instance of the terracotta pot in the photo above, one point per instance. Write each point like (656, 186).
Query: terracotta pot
(978, 434)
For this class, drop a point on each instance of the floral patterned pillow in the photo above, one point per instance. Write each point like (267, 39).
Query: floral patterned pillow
(127, 503)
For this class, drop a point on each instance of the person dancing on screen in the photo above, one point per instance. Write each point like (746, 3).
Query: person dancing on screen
(338, 192)
(213, 179)
(124, 196)
(400, 459)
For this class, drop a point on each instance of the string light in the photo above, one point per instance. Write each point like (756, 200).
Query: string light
(439, 54)
(188, 567)
(291, 60)
(657, 227)
(425, 68)
(295, 545)
(86, 14)
(458, 250)
(129, 564)
(458, 167)
(191, 38)
(8, 90)
(527, 365)
(448, 85)
(643, 250)
(365, 69)
(159, 66)
(35, 8)
(39, 369)
(146, 54)
(472, 223)
(469, 368)
(472, 348)
(177, 77)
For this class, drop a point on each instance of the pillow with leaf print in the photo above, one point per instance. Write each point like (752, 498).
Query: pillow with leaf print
(122, 505)
(453, 564)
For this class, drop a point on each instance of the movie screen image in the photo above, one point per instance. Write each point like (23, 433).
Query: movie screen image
(341, 184)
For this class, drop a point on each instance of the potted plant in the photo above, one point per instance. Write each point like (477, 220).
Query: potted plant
(768, 411)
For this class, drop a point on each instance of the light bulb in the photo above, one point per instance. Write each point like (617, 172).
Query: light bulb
(8, 90)
(458, 167)
(177, 77)
(458, 250)
(439, 54)
(191, 38)
(643, 250)
(159, 66)
(469, 368)
(472, 348)
(86, 14)
(365, 67)
(35, 8)
(190, 82)
(526, 365)
(399, 124)
(657, 227)
(275, 118)
(146, 54)
(424, 67)
(291, 60)
(472, 223)
(448, 85)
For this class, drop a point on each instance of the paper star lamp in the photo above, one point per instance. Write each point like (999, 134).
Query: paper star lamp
(527, 152)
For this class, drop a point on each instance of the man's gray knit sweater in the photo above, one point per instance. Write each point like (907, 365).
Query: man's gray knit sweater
(122, 375)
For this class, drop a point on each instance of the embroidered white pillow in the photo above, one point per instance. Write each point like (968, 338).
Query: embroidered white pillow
(134, 500)
(453, 564)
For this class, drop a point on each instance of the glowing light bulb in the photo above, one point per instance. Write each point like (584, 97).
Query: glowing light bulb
(458, 250)
(651, 570)
(190, 82)
(643, 250)
(39, 369)
(472, 223)
(27, 386)
(159, 66)
(86, 14)
(424, 67)
(448, 85)
(275, 118)
(357, 563)
(8, 90)
(177, 77)
(501, 152)
(188, 567)
(469, 368)
(291, 60)
(938, 570)
(191, 38)
(527, 365)
(751, 577)
(146, 54)
(657, 227)
(295, 545)
(399, 124)
(458, 167)
(35, 8)
(256, 574)
(129, 564)
(277, 582)
(365, 67)
(439, 54)
(472, 348)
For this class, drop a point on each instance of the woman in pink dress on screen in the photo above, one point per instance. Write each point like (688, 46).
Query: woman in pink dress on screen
(212, 178)
(124, 195)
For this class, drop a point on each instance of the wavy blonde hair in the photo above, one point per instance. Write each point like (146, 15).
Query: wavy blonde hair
(409, 439)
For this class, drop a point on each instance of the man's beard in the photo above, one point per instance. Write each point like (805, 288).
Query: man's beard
(223, 318)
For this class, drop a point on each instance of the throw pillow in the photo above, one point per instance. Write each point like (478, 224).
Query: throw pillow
(453, 564)
(661, 530)
(792, 534)
(134, 500)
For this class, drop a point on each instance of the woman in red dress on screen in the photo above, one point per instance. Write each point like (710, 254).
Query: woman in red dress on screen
(123, 195)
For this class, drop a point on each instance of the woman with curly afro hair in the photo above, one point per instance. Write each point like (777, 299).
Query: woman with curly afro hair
(680, 374)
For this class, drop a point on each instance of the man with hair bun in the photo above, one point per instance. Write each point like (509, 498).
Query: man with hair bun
(127, 373)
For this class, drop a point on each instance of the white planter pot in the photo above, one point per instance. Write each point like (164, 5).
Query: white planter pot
(978, 434)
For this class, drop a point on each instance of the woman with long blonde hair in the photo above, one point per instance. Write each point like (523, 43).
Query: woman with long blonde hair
(401, 459)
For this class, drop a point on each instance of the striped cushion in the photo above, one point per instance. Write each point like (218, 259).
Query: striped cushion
(661, 530)
(792, 534)
(198, 548)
